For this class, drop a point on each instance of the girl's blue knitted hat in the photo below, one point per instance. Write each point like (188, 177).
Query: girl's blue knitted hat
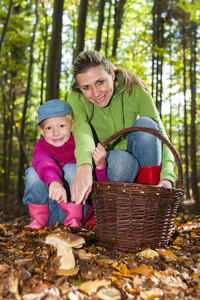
(51, 109)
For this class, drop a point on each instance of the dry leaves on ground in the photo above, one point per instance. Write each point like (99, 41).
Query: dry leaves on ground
(29, 268)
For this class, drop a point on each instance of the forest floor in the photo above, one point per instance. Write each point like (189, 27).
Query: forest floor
(29, 268)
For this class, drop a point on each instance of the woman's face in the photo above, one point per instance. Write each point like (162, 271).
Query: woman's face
(97, 85)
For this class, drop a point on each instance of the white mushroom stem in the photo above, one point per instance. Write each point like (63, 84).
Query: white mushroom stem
(67, 257)
(64, 242)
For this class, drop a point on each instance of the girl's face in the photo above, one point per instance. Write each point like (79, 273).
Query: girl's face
(57, 131)
(97, 85)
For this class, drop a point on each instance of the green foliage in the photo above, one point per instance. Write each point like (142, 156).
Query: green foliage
(192, 8)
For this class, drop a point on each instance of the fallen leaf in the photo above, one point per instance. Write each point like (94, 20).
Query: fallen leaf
(187, 262)
(122, 268)
(175, 247)
(41, 231)
(7, 245)
(168, 255)
(75, 295)
(152, 294)
(11, 287)
(29, 254)
(69, 272)
(78, 282)
(127, 287)
(170, 278)
(109, 293)
(53, 294)
(139, 281)
(4, 269)
(148, 253)
(178, 240)
(82, 254)
(105, 262)
(193, 235)
(90, 287)
(143, 270)
(122, 271)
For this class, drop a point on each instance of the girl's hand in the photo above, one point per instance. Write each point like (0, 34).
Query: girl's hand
(99, 155)
(81, 186)
(57, 192)
(165, 183)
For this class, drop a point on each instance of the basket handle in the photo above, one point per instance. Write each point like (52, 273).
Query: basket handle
(179, 183)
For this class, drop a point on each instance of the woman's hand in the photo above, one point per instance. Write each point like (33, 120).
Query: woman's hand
(57, 192)
(81, 186)
(165, 183)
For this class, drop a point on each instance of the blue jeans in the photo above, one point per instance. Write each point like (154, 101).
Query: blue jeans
(143, 150)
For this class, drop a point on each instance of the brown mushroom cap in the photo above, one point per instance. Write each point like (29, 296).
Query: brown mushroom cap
(65, 239)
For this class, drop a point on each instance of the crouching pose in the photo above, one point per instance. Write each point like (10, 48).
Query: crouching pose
(106, 99)
(47, 183)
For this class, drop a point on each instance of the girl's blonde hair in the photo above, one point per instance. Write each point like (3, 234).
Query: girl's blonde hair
(91, 59)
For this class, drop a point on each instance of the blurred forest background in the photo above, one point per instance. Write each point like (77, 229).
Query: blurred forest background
(39, 40)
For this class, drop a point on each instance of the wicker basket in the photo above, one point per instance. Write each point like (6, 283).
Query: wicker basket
(131, 216)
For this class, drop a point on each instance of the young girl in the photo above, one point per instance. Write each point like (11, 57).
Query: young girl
(54, 169)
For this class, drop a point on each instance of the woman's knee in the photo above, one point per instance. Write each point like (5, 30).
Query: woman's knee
(146, 147)
(146, 122)
(121, 166)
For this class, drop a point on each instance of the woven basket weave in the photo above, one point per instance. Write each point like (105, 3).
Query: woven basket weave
(131, 216)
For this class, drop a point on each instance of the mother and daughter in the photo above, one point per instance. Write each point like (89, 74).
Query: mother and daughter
(103, 100)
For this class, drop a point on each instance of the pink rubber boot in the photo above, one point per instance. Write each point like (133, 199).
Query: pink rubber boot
(149, 175)
(73, 214)
(40, 214)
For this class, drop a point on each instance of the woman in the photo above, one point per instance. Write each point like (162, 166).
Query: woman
(104, 100)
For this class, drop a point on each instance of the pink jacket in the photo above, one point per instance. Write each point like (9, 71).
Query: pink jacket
(48, 161)
(101, 174)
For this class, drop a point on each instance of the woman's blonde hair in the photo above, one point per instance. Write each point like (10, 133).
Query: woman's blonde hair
(91, 59)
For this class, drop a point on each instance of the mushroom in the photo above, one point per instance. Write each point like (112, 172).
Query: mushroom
(64, 242)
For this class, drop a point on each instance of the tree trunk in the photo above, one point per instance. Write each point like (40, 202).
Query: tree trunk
(45, 36)
(27, 94)
(7, 150)
(108, 29)
(159, 8)
(185, 118)
(4, 182)
(80, 41)
(193, 45)
(10, 123)
(6, 25)
(159, 57)
(119, 11)
(100, 25)
(153, 49)
(54, 56)
(170, 94)
(12, 99)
